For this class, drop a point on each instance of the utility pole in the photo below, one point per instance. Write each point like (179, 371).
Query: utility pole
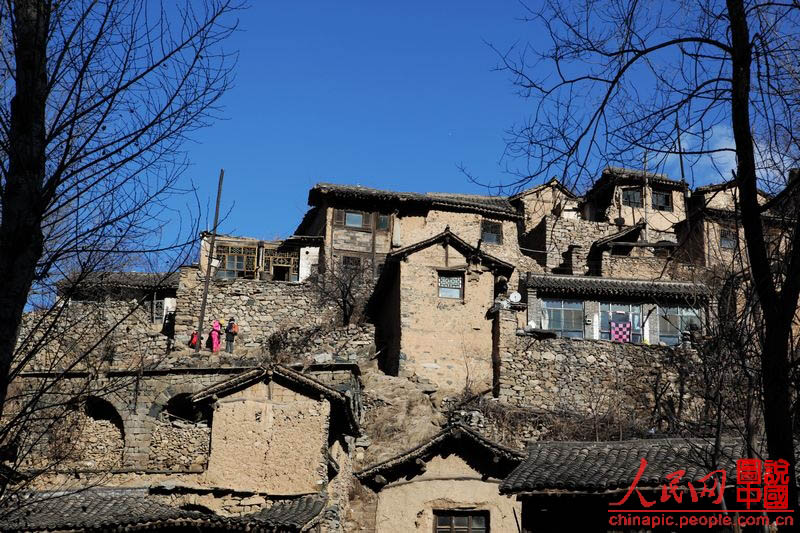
(208, 264)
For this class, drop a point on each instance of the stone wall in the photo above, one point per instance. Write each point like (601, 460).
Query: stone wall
(178, 445)
(261, 308)
(579, 375)
(113, 333)
(324, 343)
(562, 233)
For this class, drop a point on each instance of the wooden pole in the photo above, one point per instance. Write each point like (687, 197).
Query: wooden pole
(208, 265)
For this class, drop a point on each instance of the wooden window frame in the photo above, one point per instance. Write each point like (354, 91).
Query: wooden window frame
(450, 274)
(495, 225)
(340, 219)
(459, 512)
(564, 308)
(627, 202)
(728, 234)
(378, 217)
(669, 206)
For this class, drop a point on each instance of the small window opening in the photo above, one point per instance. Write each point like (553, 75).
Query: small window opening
(461, 521)
(491, 232)
(451, 285)
(662, 200)
(351, 262)
(382, 222)
(632, 197)
(181, 408)
(727, 239)
(354, 219)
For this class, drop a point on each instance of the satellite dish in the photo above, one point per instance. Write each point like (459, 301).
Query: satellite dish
(515, 297)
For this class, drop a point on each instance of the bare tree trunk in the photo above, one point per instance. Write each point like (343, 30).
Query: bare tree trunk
(23, 201)
(778, 309)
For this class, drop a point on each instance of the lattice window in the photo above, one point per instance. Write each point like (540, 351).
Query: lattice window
(236, 261)
(451, 285)
(491, 232)
(461, 521)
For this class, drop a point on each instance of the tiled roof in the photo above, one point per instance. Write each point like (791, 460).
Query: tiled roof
(455, 438)
(620, 176)
(93, 509)
(458, 243)
(127, 280)
(490, 205)
(122, 509)
(289, 515)
(338, 399)
(552, 467)
(579, 285)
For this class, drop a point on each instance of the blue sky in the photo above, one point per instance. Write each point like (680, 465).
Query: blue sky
(391, 95)
(384, 94)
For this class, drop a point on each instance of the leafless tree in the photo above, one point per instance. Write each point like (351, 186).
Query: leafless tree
(622, 77)
(96, 101)
(99, 98)
(346, 284)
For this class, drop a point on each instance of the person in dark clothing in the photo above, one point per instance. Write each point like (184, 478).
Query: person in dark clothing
(231, 331)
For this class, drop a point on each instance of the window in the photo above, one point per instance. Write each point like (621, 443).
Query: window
(632, 197)
(236, 262)
(451, 285)
(382, 223)
(662, 201)
(626, 317)
(727, 239)
(461, 522)
(491, 232)
(353, 219)
(351, 262)
(565, 317)
(674, 321)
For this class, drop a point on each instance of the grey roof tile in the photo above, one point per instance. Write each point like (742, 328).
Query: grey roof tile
(589, 285)
(491, 205)
(609, 466)
(125, 509)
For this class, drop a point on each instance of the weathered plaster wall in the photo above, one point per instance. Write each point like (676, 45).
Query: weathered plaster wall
(657, 220)
(409, 230)
(447, 341)
(269, 439)
(448, 483)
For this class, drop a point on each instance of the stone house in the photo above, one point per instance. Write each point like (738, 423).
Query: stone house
(626, 197)
(449, 481)
(429, 311)
(238, 444)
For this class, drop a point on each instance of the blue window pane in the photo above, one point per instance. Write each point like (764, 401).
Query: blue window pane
(353, 219)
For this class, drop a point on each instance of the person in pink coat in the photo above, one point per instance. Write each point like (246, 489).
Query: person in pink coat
(215, 336)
